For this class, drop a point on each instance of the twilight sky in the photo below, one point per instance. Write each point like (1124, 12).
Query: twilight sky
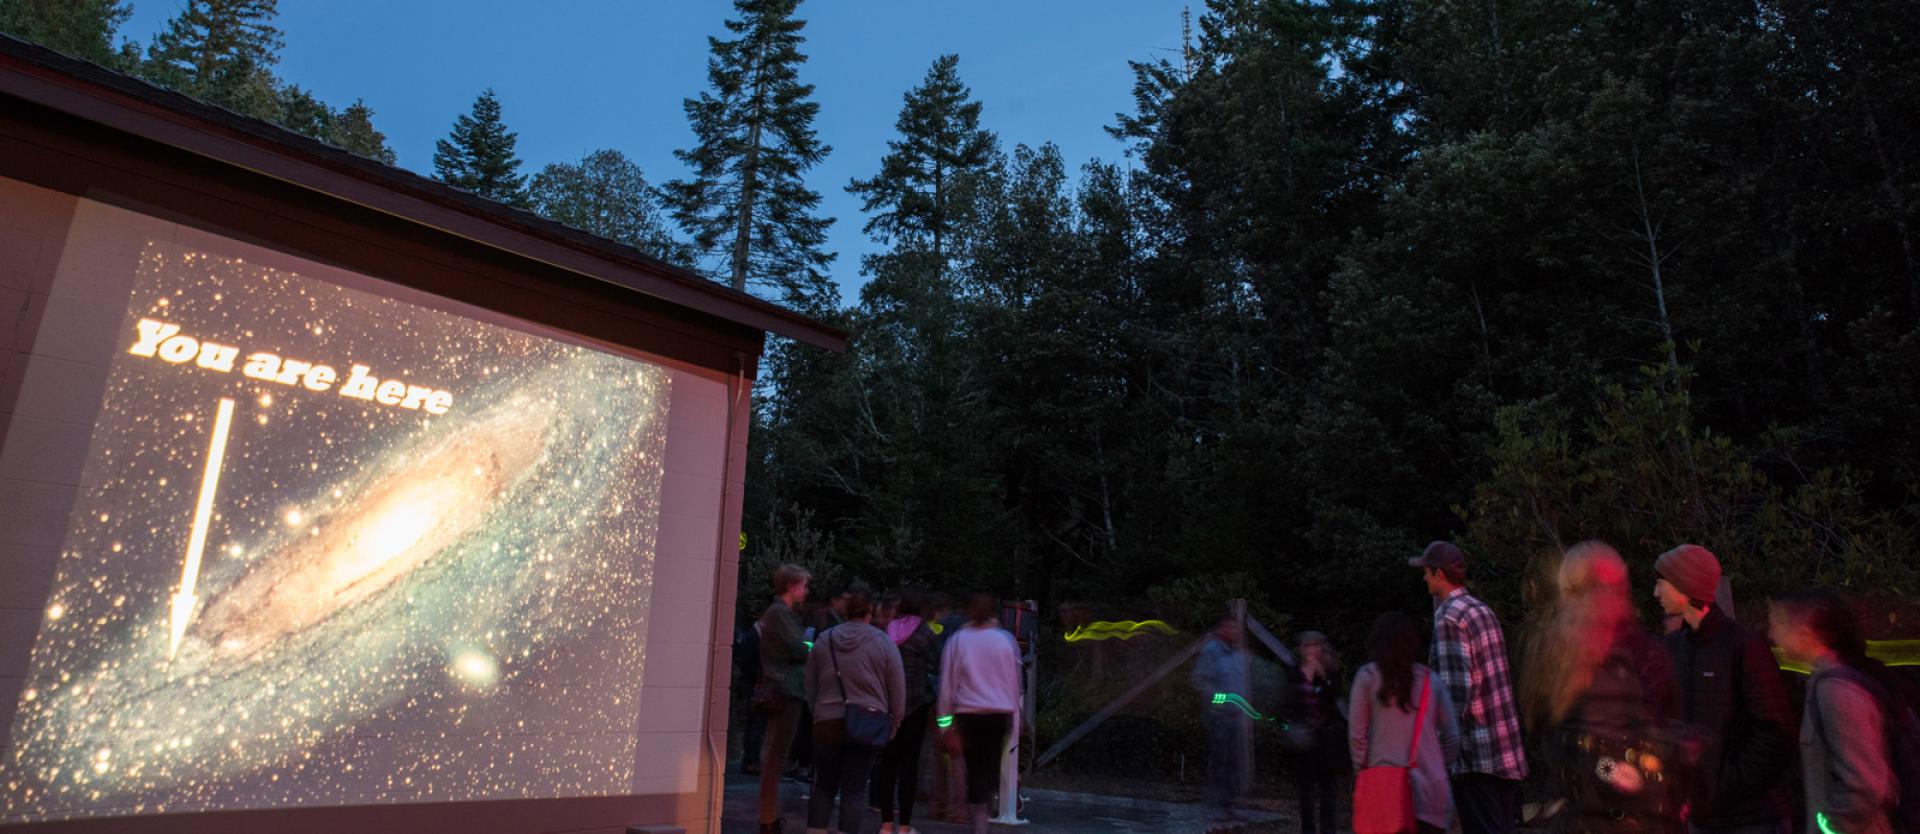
(576, 75)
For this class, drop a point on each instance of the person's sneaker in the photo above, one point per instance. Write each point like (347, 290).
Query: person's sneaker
(905, 829)
(887, 828)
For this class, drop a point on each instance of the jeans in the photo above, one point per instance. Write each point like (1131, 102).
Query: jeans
(839, 772)
(780, 729)
(1226, 752)
(1487, 804)
(1319, 798)
(898, 777)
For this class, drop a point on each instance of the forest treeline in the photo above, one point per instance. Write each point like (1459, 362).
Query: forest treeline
(1371, 272)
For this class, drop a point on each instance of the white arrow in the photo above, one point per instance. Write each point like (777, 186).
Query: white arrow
(184, 601)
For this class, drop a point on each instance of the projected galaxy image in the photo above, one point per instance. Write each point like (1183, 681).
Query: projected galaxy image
(334, 548)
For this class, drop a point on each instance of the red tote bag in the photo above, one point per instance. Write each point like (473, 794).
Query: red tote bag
(1383, 795)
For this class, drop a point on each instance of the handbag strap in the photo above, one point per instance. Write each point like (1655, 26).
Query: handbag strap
(840, 681)
(1420, 718)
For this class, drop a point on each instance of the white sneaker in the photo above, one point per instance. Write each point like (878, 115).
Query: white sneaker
(887, 828)
(905, 829)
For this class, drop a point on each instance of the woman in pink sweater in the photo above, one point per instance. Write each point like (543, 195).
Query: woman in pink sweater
(979, 697)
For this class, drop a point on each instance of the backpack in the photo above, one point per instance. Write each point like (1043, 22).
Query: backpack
(1903, 743)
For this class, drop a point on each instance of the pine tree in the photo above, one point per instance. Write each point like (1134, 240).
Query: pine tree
(747, 203)
(81, 28)
(605, 194)
(222, 51)
(350, 129)
(912, 199)
(299, 110)
(478, 156)
(353, 130)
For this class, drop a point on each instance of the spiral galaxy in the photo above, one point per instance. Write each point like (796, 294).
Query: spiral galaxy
(395, 607)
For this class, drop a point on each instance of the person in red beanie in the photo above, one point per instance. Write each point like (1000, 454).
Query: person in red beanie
(1730, 688)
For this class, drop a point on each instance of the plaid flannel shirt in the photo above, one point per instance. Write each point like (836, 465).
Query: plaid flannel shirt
(1470, 656)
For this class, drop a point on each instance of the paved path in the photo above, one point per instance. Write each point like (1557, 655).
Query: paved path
(1051, 812)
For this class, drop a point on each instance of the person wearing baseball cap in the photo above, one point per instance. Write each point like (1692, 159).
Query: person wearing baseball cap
(1730, 688)
(1470, 658)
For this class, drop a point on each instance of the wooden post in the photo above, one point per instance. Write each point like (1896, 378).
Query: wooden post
(1237, 609)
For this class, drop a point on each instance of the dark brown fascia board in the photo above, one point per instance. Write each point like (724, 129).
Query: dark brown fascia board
(50, 87)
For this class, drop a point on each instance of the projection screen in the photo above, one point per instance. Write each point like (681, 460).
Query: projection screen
(335, 544)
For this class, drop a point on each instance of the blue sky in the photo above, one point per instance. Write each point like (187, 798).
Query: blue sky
(576, 75)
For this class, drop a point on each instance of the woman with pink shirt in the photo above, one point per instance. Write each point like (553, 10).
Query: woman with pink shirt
(979, 698)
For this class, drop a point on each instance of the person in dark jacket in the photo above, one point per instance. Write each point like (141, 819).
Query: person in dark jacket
(898, 778)
(1730, 689)
(1317, 734)
(783, 661)
(947, 790)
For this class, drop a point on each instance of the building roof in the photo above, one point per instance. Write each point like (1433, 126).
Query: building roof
(88, 91)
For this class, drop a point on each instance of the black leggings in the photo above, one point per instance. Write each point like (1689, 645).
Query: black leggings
(897, 782)
(983, 736)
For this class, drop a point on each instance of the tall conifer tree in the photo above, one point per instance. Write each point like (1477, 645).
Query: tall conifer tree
(747, 202)
(478, 156)
(222, 51)
(912, 201)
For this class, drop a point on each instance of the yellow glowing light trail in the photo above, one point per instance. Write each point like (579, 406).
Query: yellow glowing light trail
(184, 601)
(1890, 652)
(1124, 629)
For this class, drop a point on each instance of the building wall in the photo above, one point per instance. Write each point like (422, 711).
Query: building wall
(63, 296)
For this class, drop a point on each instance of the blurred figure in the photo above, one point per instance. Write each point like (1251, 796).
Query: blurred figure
(1317, 734)
(1470, 657)
(947, 790)
(885, 610)
(853, 666)
(783, 660)
(1387, 697)
(1220, 675)
(831, 614)
(897, 782)
(1602, 693)
(1730, 689)
(746, 653)
(1847, 763)
(980, 693)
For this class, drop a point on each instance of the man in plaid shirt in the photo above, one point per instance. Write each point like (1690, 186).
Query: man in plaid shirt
(1470, 657)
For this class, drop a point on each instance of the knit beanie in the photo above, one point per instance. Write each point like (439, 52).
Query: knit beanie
(1691, 570)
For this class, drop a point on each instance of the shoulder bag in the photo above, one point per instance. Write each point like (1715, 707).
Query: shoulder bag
(1383, 795)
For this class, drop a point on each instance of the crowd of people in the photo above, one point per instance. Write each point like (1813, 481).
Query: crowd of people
(847, 704)
(1687, 732)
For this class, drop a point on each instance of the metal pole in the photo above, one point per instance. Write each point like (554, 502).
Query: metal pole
(1237, 609)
